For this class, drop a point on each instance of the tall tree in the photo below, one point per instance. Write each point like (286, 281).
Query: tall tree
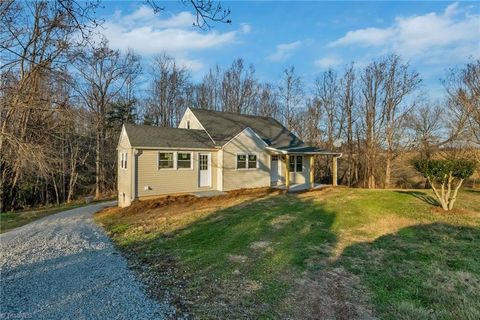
(348, 100)
(290, 95)
(238, 88)
(36, 42)
(399, 83)
(168, 94)
(101, 75)
(371, 82)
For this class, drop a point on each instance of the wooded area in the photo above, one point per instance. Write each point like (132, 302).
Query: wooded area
(65, 95)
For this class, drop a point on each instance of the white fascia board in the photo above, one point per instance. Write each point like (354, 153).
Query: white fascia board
(252, 132)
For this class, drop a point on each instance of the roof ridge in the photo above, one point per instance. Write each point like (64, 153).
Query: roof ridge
(159, 127)
(232, 113)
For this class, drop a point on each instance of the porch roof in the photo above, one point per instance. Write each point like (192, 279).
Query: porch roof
(305, 150)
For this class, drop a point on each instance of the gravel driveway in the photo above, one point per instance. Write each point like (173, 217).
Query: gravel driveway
(64, 267)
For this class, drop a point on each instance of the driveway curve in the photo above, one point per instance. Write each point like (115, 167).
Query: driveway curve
(64, 267)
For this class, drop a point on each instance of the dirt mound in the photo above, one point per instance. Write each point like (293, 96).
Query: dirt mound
(188, 199)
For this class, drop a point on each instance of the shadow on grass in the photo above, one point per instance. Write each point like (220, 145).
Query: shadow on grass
(421, 196)
(472, 190)
(421, 272)
(236, 262)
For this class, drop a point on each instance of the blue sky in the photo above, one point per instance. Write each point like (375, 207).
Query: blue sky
(432, 36)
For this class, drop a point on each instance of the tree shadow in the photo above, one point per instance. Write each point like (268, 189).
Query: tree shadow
(236, 260)
(421, 196)
(472, 190)
(423, 271)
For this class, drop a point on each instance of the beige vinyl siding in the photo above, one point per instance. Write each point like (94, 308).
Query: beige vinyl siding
(219, 170)
(170, 181)
(245, 143)
(190, 117)
(124, 181)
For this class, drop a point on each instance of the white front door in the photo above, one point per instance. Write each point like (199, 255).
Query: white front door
(274, 169)
(204, 170)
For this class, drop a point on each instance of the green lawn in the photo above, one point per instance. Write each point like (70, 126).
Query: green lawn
(11, 220)
(343, 253)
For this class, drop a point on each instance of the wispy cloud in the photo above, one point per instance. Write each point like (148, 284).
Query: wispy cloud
(149, 34)
(433, 37)
(245, 27)
(284, 51)
(329, 61)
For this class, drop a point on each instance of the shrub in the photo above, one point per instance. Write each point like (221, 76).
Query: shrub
(445, 176)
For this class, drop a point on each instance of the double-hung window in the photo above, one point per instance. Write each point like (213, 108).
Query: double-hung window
(165, 160)
(246, 161)
(295, 164)
(184, 160)
(299, 164)
(123, 160)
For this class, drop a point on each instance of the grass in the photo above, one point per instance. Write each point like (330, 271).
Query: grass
(339, 253)
(15, 219)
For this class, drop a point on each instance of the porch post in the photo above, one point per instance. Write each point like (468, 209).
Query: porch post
(312, 172)
(287, 173)
(334, 171)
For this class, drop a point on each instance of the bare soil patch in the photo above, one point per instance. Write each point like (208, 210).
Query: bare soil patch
(333, 293)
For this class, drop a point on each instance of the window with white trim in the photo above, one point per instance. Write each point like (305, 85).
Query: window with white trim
(252, 161)
(295, 164)
(299, 164)
(246, 161)
(184, 160)
(123, 160)
(165, 160)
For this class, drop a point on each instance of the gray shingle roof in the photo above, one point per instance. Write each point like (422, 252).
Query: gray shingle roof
(223, 126)
(308, 149)
(162, 137)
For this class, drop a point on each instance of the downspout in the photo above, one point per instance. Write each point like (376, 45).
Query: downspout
(133, 183)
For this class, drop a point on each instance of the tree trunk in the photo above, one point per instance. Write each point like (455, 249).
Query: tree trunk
(97, 166)
(388, 170)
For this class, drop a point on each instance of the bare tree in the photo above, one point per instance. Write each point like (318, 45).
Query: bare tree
(348, 99)
(267, 101)
(372, 80)
(102, 74)
(327, 94)
(36, 39)
(399, 83)
(238, 88)
(463, 88)
(168, 98)
(290, 96)
(207, 12)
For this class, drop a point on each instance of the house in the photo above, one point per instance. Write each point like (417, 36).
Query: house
(212, 151)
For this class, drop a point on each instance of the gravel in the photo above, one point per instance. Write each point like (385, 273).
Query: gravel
(64, 267)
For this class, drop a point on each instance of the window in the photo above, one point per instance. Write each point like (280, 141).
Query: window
(246, 161)
(203, 162)
(295, 164)
(241, 161)
(165, 160)
(252, 161)
(274, 158)
(299, 166)
(188, 124)
(184, 160)
(291, 164)
(123, 160)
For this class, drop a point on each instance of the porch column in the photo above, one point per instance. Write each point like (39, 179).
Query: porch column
(287, 173)
(312, 172)
(334, 171)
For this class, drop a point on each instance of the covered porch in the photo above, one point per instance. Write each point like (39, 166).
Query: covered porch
(293, 169)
